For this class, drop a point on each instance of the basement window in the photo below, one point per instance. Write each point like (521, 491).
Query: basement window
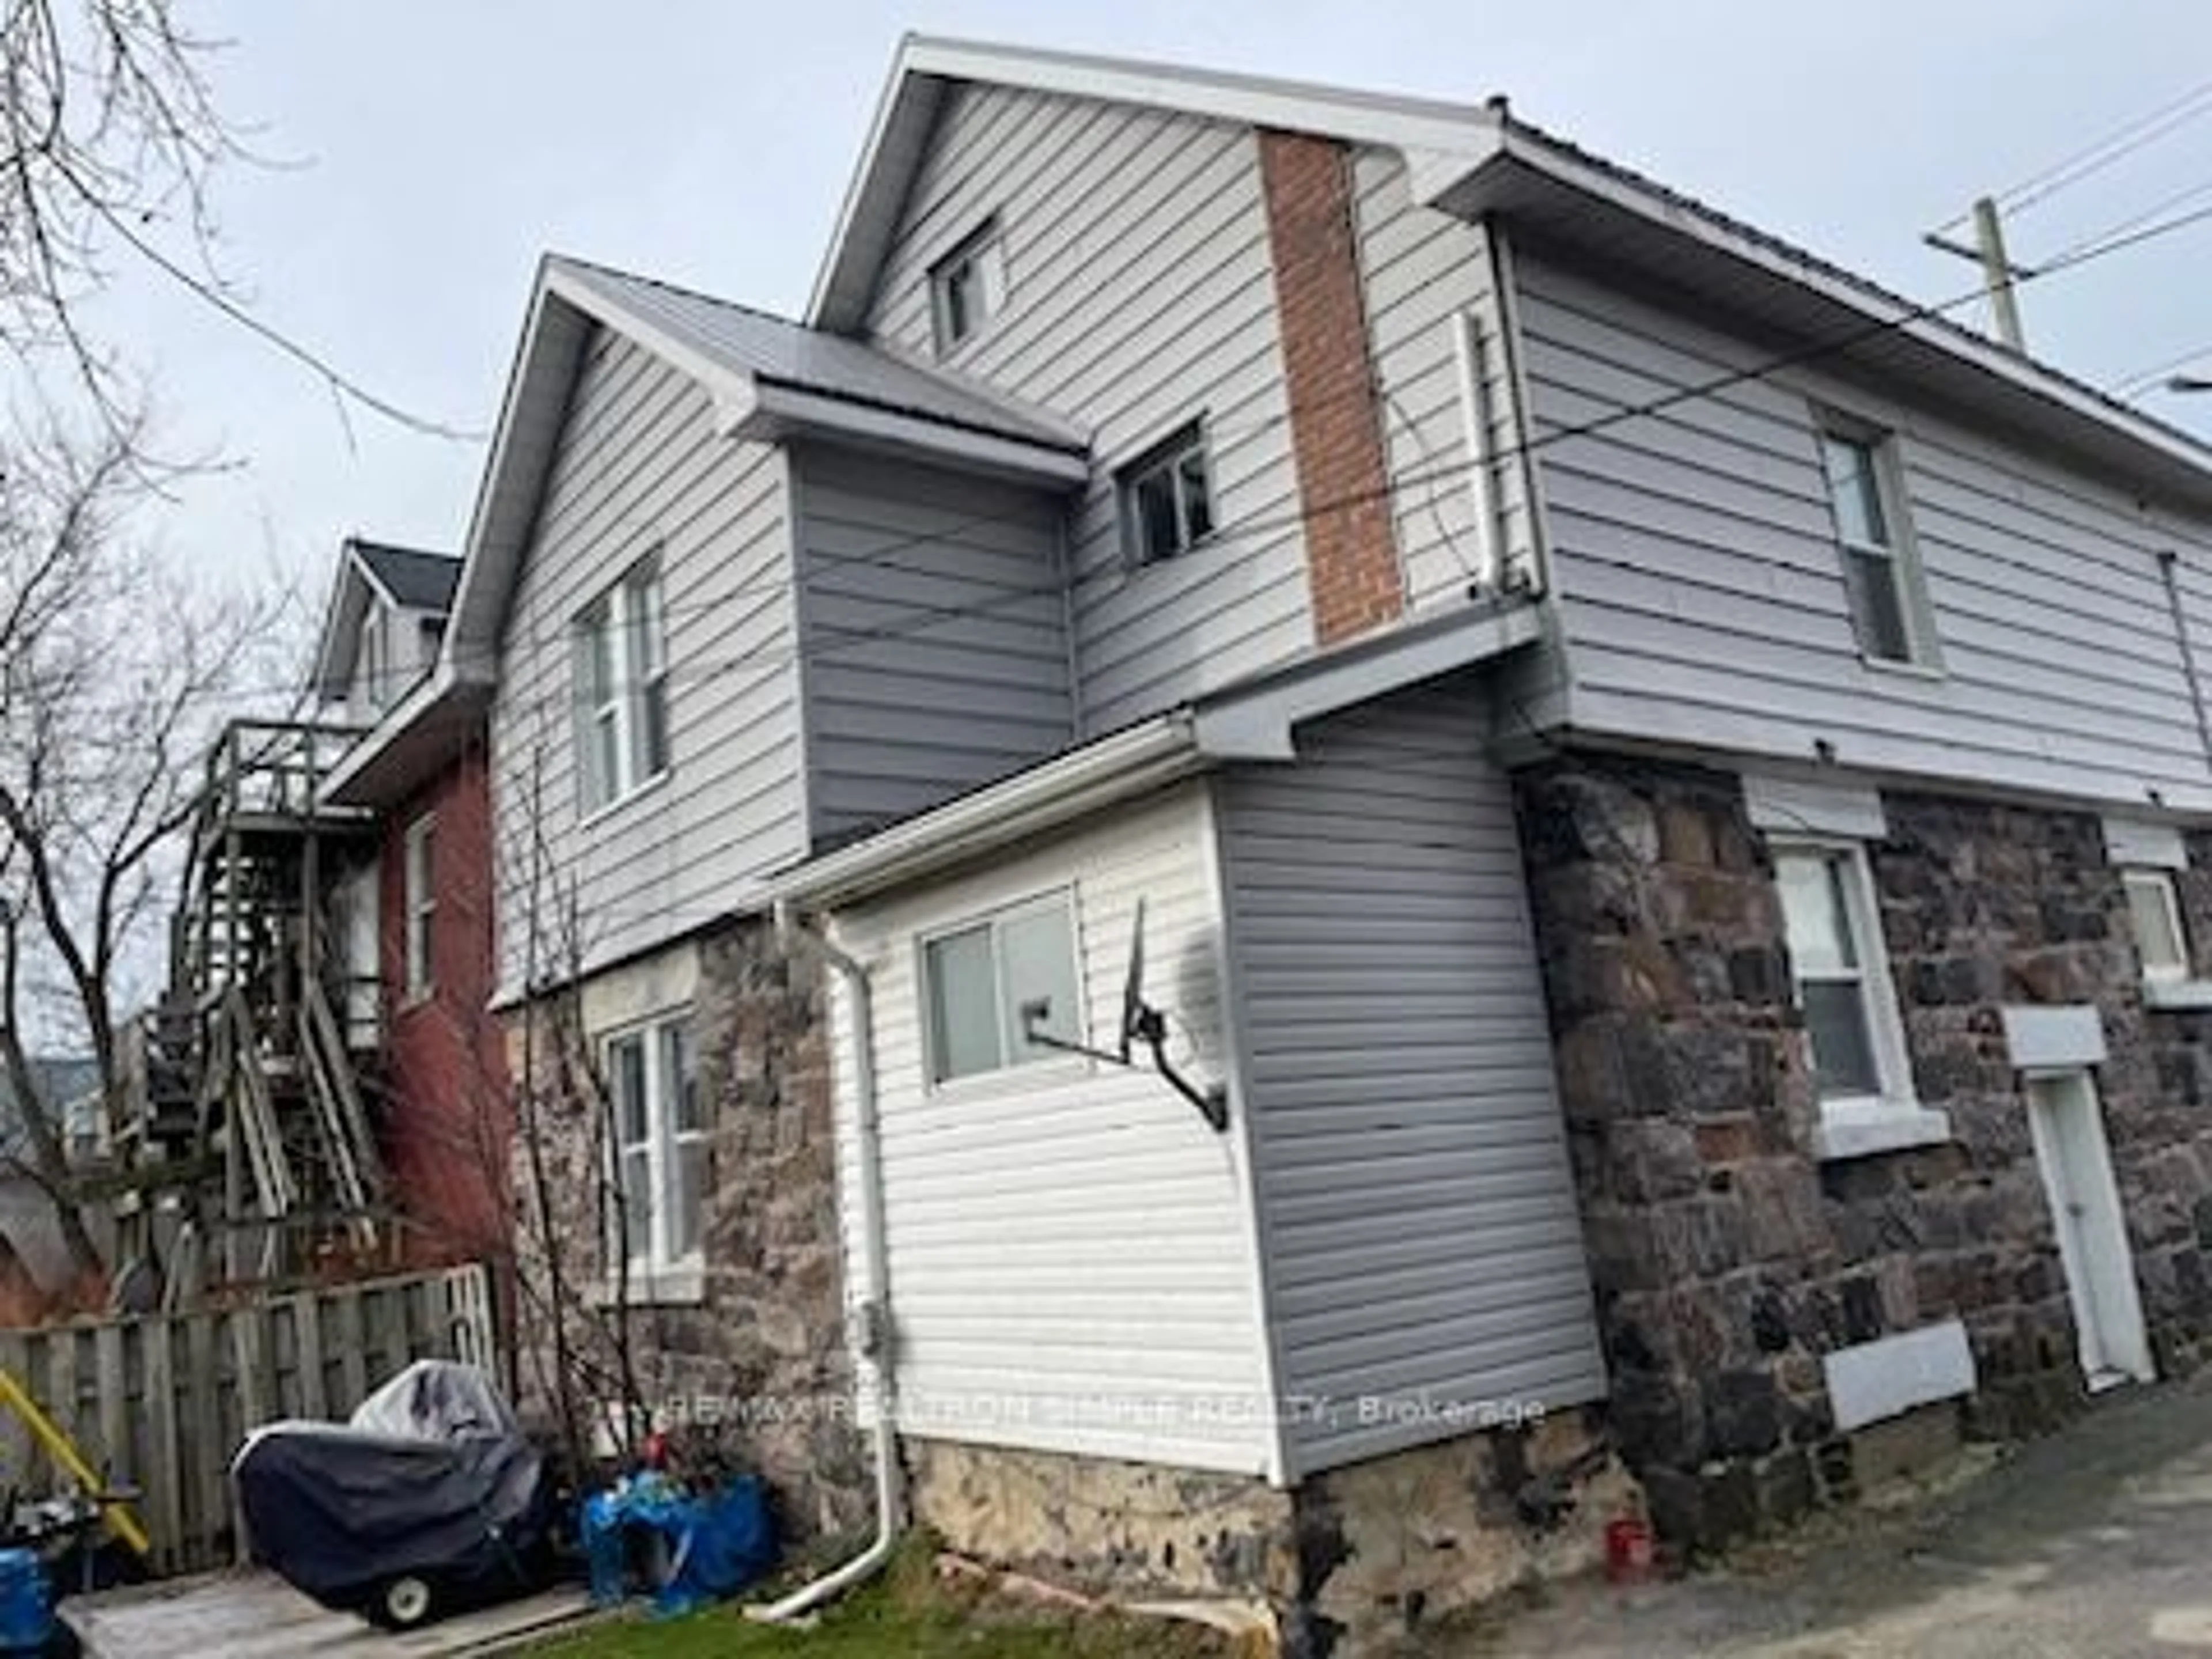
(968, 287)
(659, 1148)
(2154, 912)
(1167, 498)
(980, 978)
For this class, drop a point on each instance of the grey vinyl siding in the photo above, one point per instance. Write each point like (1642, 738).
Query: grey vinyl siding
(1417, 1211)
(1139, 294)
(640, 468)
(935, 622)
(1421, 271)
(1702, 599)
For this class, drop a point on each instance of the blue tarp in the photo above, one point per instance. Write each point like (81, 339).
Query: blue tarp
(714, 1545)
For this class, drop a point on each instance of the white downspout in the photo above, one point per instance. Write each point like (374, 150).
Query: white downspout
(876, 1342)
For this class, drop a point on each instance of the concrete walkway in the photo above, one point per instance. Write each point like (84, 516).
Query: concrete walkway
(2094, 1543)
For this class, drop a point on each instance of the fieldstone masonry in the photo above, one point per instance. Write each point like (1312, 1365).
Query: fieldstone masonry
(1727, 1259)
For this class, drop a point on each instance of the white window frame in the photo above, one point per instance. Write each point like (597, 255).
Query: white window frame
(615, 720)
(1168, 457)
(419, 900)
(675, 1126)
(1893, 1118)
(979, 259)
(1900, 553)
(373, 659)
(2158, 881)
(1011, 1061)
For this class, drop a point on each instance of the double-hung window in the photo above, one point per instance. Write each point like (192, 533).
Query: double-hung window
(995, 984)
(621, 688)
(2147, 856)
(1167, 498)
(968, 287)
(420, 893)
(659, 1148)
(1881, 572)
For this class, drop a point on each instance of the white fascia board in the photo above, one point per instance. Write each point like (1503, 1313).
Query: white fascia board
(331, 671)
(680, 353)
(1259, 721)
(1886, 313)
(767, 410)
(1159, 752)
(426, 695)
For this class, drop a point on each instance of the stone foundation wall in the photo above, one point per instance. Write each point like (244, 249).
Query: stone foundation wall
(1346, 1559)
(754, 1358)
(1727, 1260)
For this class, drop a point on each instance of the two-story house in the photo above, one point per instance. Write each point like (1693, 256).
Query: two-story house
(1656, 781)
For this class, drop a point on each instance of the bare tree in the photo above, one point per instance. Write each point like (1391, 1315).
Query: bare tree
(115, 672)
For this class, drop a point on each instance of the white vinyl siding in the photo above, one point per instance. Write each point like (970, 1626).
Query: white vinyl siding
(1145, 290)
(1069, 1244)
(1424, 272)
(1423, 1244)
(936, 635)
(1702, 600)
(639, 463)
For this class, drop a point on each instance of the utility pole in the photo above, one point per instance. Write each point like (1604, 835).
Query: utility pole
(1999, 274)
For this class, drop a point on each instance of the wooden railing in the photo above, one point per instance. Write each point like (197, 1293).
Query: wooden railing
(159, 1405)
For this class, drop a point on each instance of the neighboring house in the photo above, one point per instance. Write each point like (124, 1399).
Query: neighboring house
(70, 1088)
(414, 916)
(1661, 784)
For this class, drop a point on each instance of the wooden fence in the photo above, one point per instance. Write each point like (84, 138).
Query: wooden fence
(159, 1405)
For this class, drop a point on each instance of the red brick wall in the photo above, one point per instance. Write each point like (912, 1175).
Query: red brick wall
(445, 1118)
(1336, 432)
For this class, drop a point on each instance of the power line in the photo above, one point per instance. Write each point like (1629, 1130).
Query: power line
(2105, 152)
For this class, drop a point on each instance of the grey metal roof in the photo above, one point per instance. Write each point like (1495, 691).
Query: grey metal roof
(775, 350)
(414, 578)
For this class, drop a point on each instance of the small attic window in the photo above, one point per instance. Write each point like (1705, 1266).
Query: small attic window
(968, 287)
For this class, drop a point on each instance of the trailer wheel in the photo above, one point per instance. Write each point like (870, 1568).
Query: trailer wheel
(402, 1603)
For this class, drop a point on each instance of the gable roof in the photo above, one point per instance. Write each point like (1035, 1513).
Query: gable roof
(1469, 160)
(406, 577)
(768, 377)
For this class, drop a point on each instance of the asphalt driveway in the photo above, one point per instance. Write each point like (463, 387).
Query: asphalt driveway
(2096, 1543)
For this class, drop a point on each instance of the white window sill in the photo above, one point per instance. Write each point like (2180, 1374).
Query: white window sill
(2177, 994)
(1903, 668)
(683, 1286)
(598, 814)
(1894, 1127)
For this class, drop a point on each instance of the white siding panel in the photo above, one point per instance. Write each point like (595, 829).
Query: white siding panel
(1702, 600)
(1422, 1239)
(1140, 295)
(935, 624)
(1422, 270)
(639, 467)
(1069, 1244)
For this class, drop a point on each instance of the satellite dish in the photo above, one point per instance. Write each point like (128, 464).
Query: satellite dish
(1133, 987)
(1140, 1023)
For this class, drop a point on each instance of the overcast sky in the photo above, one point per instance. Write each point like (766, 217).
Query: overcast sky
(434, 151)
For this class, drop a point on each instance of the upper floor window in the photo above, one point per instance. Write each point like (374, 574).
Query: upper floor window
(1880, 572)
(420, 898)
(621, 688)
(660, 1146)
(990, 984)
(1167, 498)
(374, 665)
(968, 287)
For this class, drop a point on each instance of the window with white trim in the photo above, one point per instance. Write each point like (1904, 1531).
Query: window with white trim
(1881, 571)
(374, 667)
(968, 287)
(1840, 968)
(2154, 915)
(659, 1148)
(621, 668)
(419, 895)
(1167, 498)
(993, 984)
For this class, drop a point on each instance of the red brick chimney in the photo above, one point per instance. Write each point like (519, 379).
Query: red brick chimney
(1336, 425)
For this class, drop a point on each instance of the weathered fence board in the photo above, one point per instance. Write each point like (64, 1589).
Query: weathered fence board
(159, 1404)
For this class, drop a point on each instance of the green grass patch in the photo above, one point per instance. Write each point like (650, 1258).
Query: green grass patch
(907, 1614)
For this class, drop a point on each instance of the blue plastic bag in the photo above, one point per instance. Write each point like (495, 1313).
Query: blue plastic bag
(26, 1609)
(714, 1545)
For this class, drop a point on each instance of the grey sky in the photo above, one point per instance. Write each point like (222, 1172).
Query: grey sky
(445, 145)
